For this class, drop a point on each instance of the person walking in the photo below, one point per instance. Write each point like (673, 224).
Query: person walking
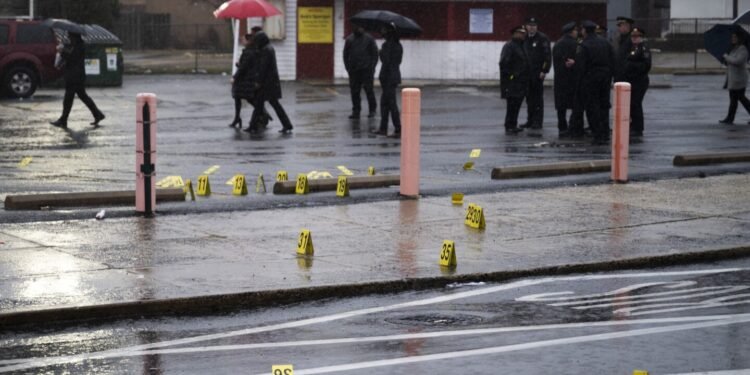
(268, 85)
(538, 50)
(74, 73)
(736, 61)
(245, 79)
(563, 59)
(597, 63)
(391, 54)
(514, 78)
(637, 67)
(360, 59)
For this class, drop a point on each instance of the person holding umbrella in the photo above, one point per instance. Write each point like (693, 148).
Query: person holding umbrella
(736, 61)
(391, 54)
(73, 58)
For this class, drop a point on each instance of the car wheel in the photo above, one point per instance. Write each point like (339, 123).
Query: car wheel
(20, 82)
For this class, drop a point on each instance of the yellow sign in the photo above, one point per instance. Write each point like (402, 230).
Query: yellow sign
(640, 372)
(304, 244)
(260, 184)
(204, 187)
(171, 181)
(302, 186)
(469, 165)
(371, 171)
(282, 370)
(345, 170)
(475, 217)
(457, 198)
(475, 153)
(240, 186)
(25, 162)
(282, 176)
(315, 25)
(211, 170)
(342, 188)
(189, 189)
(448, 254)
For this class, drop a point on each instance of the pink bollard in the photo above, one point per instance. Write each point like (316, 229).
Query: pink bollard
(411, 103)
(145, 154)
(621, 133)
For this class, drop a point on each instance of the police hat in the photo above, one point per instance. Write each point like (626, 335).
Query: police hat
(637, 31)
(623, 19)
(601, 29)
(255, 29)
(589, 25)
(532, 21)
(518, 29)
(568, 27)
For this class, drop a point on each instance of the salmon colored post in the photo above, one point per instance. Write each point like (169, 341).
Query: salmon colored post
(411, 104)
(145, 154)
(621, 133)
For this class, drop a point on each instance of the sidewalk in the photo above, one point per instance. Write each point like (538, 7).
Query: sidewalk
(248, 258)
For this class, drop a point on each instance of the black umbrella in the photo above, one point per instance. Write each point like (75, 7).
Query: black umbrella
(65, 25)
(373, 20)
(718, 39)
(744, 18)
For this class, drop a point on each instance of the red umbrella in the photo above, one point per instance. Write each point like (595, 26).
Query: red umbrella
(246, 9)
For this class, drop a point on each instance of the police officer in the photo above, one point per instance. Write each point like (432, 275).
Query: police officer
(360, 59)
(622, 45)
(637, 66)
(514, 77)
(563, 58)
(597, 63)
(537, 46)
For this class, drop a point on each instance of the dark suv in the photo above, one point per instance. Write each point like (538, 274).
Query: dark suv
(27, 56)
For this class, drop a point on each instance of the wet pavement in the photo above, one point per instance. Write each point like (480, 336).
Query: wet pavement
(673, 320)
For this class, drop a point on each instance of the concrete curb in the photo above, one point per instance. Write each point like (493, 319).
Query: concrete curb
(555, 169)
(330, 184)
(216, 304)
(88, 199)
(706, 159)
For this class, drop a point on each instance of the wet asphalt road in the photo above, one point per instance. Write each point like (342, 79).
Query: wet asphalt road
(668, 321)
(193, 135)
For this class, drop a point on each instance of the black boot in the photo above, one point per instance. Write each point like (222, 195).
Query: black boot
(237, 122)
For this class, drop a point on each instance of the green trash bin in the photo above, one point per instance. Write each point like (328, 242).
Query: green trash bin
(104, 63)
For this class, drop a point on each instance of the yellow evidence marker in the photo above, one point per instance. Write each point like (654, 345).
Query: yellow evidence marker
(260, 184)
(302, 184)
(171, 181)
(457, 198)
(189, 189)
(468, 165)
(342, 187)
(305, 244)
(240, 185)
(204, 186)
(448, 254)
(371, 171)
(475, 153)
(475, 217)
(282, 370)
(25, 162)
(640, 372)
(282, 176)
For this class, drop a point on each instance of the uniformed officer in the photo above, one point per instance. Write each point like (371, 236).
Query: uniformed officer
(514, 78)
(637, 66)
(622, 45)
(537, 47)
(597, 62)
(563, 58)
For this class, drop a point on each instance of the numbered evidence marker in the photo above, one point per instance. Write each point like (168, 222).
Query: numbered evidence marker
(342, 188)
(475, 217)
(302, 184)
(371, 171)
(305, 244)
(282, 176)
(240, 185)
(204, 186)
(260, 184)
(282, 370)
(189, 189)
(448, 254)
(171, 181)
(457, 198)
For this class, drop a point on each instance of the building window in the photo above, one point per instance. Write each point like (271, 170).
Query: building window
(4, 34)
(275, 27)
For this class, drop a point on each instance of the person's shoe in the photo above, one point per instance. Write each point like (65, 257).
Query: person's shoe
(354, 116)
(513, 131)
(98, 119)
(286, 131)
(371, 114)
(726, 122)
(237, 122)
(59, 123)
(379, 132)
(524, 126)
(536, 126)
(251, 130)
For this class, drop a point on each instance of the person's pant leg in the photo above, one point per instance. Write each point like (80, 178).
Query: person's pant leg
(387, 106)
(281, 113)
(636, 106)
(70, 93)
(86, 99)
(367, 84)
(355, 86)
(535, 101)
(733, 101)
(511, 113)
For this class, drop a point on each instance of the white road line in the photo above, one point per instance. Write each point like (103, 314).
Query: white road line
(712, 303)
(350, 314)
(550, 297)
(628, 302)
(636, 297)
(725, 372)
(743, 318)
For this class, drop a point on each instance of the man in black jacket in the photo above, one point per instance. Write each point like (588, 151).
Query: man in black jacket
(597, 63)
(563, 58)
(391, 54)
(514, 78)
(537, 47)
(360, 59)
(269, 85)
(74, 56)
(623, 45)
